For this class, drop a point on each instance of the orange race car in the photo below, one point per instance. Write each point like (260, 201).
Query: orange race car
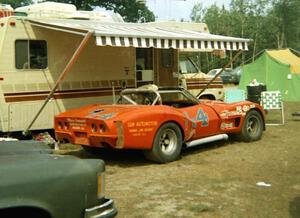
(159, 121)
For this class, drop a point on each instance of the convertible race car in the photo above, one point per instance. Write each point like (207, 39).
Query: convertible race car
(159, 121)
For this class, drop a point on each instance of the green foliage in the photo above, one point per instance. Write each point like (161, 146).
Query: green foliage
(17, 3)
(198, 12)
(270, 24)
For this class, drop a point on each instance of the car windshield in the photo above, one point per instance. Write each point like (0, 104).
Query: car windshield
(138, 97)
(175, 98)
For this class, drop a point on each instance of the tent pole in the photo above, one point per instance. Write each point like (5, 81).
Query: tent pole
(223, 68)
(68, 67)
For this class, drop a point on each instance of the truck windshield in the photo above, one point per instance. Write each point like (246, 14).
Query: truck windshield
(186, 66)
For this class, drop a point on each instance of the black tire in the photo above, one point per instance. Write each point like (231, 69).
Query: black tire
(167, 144)
(252, 128)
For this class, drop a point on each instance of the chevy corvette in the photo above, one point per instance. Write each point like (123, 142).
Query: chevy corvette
(159, 121)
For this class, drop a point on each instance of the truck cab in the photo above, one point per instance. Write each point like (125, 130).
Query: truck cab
(192, 79)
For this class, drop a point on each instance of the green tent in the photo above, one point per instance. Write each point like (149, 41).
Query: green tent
(278, 70)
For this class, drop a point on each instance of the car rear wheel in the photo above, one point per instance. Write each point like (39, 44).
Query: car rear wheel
(252, 127)
(167, 144)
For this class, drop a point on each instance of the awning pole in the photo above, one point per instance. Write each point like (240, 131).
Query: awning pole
(223, 68)
(61, 77)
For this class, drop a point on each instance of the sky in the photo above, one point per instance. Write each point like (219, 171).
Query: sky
(178, 9)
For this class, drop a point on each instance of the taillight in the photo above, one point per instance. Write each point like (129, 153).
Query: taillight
(66, 125)
(60, 125)
(102, 128)
(94, 127)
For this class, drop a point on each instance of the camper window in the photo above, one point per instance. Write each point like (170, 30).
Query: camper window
(167, 58)
(31, 54)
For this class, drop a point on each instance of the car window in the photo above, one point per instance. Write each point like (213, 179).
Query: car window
(212, 72)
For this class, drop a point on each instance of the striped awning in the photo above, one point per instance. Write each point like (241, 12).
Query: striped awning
(146, 35)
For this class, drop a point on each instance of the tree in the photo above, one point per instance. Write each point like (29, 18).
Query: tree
(19, 3)
(198, 12)
(287, 17)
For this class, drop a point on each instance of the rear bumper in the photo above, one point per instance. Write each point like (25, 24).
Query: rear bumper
(105, 210)
(92, 140)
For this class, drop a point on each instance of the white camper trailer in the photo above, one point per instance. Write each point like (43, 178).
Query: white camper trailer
(34, 51)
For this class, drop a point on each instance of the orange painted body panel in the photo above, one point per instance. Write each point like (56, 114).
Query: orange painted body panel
(135, 126)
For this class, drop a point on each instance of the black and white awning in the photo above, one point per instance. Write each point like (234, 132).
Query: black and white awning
(170, 43)
(146, 35)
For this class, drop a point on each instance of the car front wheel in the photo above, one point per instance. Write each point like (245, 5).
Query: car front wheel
(252, 127)
(167, 144)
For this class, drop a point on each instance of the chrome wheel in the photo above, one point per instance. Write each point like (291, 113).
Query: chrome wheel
(166, 145)
(168, 141)
(252, 125)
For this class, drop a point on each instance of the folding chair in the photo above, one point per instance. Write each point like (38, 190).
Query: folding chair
(271, 100)
(234, 95)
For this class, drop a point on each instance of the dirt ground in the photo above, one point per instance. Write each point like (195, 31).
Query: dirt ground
(215, 180)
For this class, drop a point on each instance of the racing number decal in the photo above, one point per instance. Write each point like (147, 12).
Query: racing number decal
(202, 117)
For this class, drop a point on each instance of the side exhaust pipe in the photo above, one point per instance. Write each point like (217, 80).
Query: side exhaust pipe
(207, 140)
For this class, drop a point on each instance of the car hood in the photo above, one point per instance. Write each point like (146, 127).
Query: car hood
(24, 147)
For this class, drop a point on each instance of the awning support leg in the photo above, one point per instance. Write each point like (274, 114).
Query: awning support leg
(61, 77)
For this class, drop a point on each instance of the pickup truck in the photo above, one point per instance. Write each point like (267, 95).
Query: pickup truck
(36, 183)
(192, 79)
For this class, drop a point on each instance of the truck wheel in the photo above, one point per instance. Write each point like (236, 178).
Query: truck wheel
(167, 144)
(252, 128)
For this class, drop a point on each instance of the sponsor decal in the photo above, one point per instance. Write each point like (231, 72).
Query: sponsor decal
(141, 128)
(107, 116)
(226, 125)
(200, 117)
(239, 109)
(246, 108)
(76, 124)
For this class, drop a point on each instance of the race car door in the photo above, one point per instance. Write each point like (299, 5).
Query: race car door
(205, 120)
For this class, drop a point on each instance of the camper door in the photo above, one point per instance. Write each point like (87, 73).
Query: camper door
(167, 67)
